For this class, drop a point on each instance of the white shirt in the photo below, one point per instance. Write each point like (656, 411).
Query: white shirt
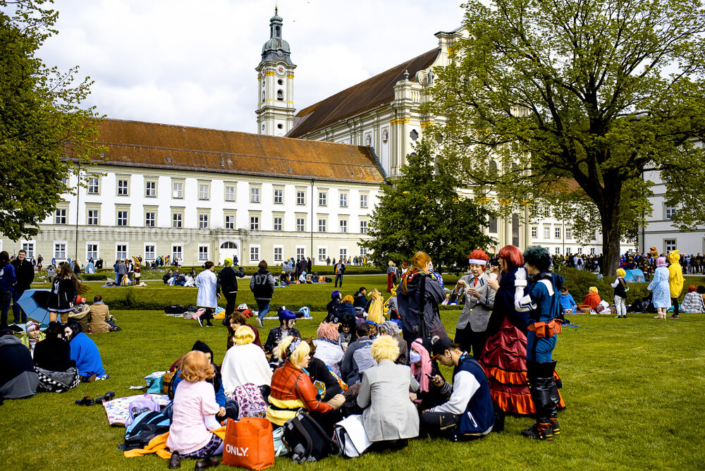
(245, 364)
(464, 387)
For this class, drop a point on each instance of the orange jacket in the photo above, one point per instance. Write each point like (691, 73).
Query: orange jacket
(592, 300)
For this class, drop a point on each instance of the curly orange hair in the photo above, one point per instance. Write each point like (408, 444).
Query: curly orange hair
(196, 367)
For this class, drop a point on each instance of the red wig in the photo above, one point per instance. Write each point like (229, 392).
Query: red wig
(479, 254)
(512, 255)
(691, 288)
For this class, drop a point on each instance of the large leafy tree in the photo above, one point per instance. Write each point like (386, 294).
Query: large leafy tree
(423, 210)
(576, 100)
(41, 122)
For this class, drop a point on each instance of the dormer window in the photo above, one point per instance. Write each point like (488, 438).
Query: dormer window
(278, 31)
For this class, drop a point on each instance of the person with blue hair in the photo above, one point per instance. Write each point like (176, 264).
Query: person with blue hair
(333, 307)
(287, 319)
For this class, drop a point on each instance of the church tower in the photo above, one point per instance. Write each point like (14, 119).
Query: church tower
(275, 83)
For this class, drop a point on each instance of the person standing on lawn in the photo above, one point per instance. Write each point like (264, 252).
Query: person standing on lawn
(660, 288)
(64, 290)
(207, 284)
(339, 270)
(620, 293)
(537, 293)
(7, 286)
(262, 286)
(675, 281)
(24, 270)
(227, 283)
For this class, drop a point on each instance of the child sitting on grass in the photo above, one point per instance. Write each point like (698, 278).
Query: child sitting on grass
(195, 408)
(568, 304)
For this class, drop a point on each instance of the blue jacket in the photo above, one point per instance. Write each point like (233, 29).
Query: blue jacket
(86, 355)
(544, 305)
(567, 301)
(8, 278)
(478, 418)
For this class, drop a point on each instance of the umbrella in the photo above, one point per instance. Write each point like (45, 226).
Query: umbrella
(34, 302)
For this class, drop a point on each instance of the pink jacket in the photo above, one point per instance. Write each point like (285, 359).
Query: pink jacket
(193, 403)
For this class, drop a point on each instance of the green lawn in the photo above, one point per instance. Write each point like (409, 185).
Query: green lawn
(633, 387)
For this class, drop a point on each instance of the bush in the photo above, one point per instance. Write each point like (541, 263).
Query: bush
(94, 277)
(579, 282)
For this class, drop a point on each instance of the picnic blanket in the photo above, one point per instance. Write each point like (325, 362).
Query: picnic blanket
(118, 409)
(158, 445)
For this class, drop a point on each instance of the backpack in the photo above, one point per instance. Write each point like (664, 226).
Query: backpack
(174, 309)
(351, 437)
(307, 441)
(250, 402)
(145, 427)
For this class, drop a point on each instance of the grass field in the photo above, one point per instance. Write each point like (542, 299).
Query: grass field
(633, 387)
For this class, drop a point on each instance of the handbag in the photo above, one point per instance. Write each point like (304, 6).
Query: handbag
(249, 444)
(351, 436)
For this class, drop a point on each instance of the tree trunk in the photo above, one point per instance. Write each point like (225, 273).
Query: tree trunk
(611, 238)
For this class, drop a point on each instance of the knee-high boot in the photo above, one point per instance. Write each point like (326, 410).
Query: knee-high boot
(541, 386)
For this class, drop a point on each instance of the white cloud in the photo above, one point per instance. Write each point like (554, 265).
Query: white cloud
(192, 63)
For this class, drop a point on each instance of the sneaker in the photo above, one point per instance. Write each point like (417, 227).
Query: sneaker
(199, 321)
(534, 432)
(675, 316)
(259, 323)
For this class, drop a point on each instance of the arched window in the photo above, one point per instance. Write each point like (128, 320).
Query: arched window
(280, 95)
(493, 168)
(278, 31)
(228, 245)
(262, 95)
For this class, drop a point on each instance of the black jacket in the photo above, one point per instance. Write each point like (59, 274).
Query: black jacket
(319, 371)
(24, 272)
(227, 279)
(53, 354)
(262, 285)
(275, 335)
(63, 293)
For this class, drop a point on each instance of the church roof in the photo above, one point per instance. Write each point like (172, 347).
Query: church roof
(364, 96)
(150, 145)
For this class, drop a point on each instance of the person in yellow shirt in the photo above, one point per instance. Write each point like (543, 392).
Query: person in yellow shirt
(675, 281)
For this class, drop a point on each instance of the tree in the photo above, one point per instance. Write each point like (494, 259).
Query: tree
(41, 123)
(576, 100)
(422, 210)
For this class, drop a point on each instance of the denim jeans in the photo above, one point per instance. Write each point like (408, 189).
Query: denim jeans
(263, 307)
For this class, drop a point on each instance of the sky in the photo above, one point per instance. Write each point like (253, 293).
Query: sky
(168, 61)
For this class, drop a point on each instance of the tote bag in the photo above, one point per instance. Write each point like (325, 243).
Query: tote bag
(249, 444)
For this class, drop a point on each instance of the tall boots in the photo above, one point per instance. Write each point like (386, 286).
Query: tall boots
(544, 393)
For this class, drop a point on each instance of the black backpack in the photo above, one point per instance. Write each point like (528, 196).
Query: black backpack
(307, 440)
(145, 427)
(174, 309)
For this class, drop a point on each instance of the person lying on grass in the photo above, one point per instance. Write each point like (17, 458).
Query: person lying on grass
(194, 410)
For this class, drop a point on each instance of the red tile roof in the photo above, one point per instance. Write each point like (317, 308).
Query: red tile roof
(359, 98)
(139, 144)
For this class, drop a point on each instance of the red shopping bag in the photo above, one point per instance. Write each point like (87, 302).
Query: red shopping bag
(249, 443)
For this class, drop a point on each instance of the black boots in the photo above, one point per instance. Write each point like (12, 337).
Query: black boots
(544, 393)
(175, 461)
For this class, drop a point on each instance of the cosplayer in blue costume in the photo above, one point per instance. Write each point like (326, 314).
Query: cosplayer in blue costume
(539, 296)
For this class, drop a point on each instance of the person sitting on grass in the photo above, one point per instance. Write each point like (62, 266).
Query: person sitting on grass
(328, 348)
(568, 304)
(167, 277)
(293, 390)
(693, 301)
(235, 320)
(194, 412)
(52, 361)
(17, 376)
(347, 331)
(287, 319)
(358, 356)
(392, 329)
(245, 362)
(33, 336)
(593, 298)
(216, 380)
(388, 415)
(347, 307)
(328, 383)
(360, 298)
(284, 279)
(101, 320)
(469, 412)
(373, 329)
(430, 393)
(333, 307)
(85, 353)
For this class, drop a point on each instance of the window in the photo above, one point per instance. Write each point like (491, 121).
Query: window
(121, 251)
(254, 253)
(363, 227)
(176, 252)
(493, 225)
(322, 198)
(92, 217)
(558, 250)
(177, 220)
(229, 193)
(150, 219)
(301, 197)
(322, 225)
(363, 201)
(29, 248)
(343, 253)
(547, 212)
(534, 232)
(277, 224)
(300, 253)
(568, 233)
(670, 245)
(203, 191)
(363, 251)
(558, 232)
(178, 190)
(60, 216)
(254, 225)
(546, 232)
(280, 95)
(569, 250)
(203, 221)
(343, 200)
(580, 250)
(300, 224)
(122, 188)
(254, 195)
(60, 251)
(202, 253)
(322, 254)
(278, 196)
(278, 254)
(93, 186)
(91, 251)
(150, 189)
(592, 251)
(230, 222)
(670, 211)
(122, 218)
(150, 252)
(343, 226)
